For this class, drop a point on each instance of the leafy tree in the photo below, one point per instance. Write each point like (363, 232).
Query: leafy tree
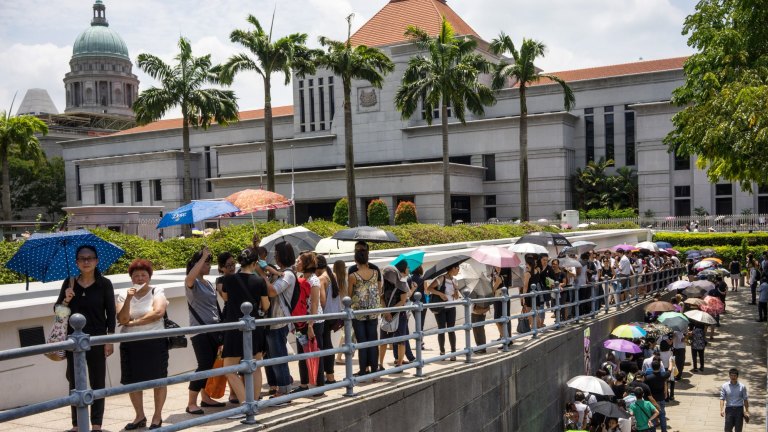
(378, 214)
(266, 58)
(341, 212)
(523, 72)
(405, 213)
(353, 63)
(38, 184)
(181, 85)
(724, 122)
(446, 76)
(18, 138)
(595, 189)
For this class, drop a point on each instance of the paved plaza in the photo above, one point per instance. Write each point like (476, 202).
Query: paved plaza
(740, 343)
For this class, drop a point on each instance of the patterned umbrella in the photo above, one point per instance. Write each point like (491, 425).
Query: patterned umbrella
(629, 331)
(253, 200)
(700, 316)
(712, 305)
(49, 257)
(195, 212)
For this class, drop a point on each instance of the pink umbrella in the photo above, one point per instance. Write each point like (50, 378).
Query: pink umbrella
(495, 256)
(713, 305)
(624, 247)
(671, 251)
(622, 345)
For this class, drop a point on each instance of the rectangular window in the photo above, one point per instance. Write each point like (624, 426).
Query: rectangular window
(208, 169)
(762, 189)
(302, 115)
(489, 163)
(762, 204)
(682, 191)
(723, 206)
(157, 189)
(608, 109)
(609, 151)
(311, 106)
(589, 132)
(77, 182)
(321, 94)
(138, 194)
(682, 163)
(724, 189)
(118, 187)
(490, 207)
(101, 196)
(629, 137)
(682, 207)
(331, 101)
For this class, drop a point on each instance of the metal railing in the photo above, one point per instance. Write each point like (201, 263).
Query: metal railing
(569, 305)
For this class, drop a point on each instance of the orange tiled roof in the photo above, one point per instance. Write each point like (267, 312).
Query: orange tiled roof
(389, 24)
(617, 70)
(175, 123)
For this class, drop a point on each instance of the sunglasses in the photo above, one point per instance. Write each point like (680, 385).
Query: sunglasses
(87, 259)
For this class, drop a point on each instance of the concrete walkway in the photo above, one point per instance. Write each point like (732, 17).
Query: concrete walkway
(739, 342)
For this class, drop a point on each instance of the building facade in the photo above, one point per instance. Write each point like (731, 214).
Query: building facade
(622, 112)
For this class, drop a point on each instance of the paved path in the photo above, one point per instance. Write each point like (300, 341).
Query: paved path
(739, 342)
(696, 408)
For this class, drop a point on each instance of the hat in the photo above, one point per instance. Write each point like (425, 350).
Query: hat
(392, 275)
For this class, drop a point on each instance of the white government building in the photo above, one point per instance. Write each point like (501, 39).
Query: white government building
(622, 112)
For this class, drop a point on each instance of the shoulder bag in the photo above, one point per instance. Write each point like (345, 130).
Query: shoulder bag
(173, 341)
(60, 325)
(390, 326)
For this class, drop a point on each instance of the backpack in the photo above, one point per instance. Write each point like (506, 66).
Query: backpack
(300, 300)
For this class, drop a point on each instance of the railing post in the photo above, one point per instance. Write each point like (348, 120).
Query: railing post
(608, 293)
(593, 289)
(636, 277)
(577, 307)
(419, 325)
(507, 323)
(467, 324)
(250, 326)
(557, 306)
(83, 393)
(350, 347)
(535, 320)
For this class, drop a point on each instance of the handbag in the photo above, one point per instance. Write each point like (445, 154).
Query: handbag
(390, 325)
(174, 341)
(59, 329)
(523, 326)
(216, 385)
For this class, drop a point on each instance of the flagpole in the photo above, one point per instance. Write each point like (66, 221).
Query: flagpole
(293, 190)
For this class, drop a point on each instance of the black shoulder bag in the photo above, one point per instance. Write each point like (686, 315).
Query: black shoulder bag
(173, 341)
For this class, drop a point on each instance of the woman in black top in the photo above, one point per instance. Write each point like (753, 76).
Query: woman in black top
(532, 277)
(245, 286)
(92, 296)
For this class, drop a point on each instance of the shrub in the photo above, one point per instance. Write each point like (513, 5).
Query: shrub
(607, 213)
(693, 240)
(341, 212)
(405, 213)
(378, 214)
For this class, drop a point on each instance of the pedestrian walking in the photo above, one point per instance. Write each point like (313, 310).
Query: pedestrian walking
(762, 305)
(734, 402)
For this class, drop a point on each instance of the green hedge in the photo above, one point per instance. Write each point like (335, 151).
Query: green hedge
(607, 213)
(174, 253)
(713, 239)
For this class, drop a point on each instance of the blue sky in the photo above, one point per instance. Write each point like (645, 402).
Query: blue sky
(36, 36)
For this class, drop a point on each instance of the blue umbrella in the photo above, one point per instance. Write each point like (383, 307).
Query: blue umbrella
(663, 245)
(195, 212)
(413, 258)
(48, 257)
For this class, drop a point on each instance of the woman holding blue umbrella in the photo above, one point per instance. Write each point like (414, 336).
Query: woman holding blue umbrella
(93, 296)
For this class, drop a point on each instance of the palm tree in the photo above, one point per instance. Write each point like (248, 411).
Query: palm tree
(353, 63)
(17, 137)
(182, 85)
(446, 76)
(524, 73)
(283, 55)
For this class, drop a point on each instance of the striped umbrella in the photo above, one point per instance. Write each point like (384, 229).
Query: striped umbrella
(629, 331)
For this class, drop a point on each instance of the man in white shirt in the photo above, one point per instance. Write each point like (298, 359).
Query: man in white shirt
(623, 271)
(734, 402)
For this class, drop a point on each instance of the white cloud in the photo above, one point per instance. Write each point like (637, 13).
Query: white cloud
(36, 35)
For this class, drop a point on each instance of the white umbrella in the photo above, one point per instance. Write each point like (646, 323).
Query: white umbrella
(332, 247)
(590, 384)
(569, 262)
(701, 316)
(528, 248)
(473, 276)
(651, 246)
(678, 285)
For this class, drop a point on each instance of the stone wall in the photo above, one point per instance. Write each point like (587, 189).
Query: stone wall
(523, 391)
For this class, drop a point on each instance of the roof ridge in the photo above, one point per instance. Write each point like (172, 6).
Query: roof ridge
(619, 64)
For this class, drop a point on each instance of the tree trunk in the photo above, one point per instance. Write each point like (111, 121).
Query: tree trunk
(269, 142)
(6, 191)
(447, 217)
(349, 154)
(523, 156)
(186, 231)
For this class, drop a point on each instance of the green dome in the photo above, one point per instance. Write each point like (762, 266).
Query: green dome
(100, 40)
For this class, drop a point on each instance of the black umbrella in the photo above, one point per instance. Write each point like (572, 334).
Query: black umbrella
(546, 239)
(367, 234)
(608, 409)
(443, 265)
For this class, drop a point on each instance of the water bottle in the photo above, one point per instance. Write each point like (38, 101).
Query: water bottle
(302, 339)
